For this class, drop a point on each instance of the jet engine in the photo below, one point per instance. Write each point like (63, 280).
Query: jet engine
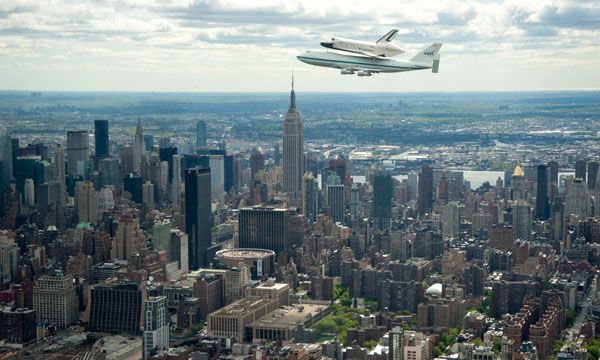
(364, 73)
(347, 72)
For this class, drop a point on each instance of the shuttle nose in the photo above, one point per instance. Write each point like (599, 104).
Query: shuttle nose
(327, 44)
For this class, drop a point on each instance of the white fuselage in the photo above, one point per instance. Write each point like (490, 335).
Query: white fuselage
(384, 49)
(358, 63)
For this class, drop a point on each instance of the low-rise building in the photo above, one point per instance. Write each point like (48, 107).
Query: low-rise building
(282, 324)
(231, 321)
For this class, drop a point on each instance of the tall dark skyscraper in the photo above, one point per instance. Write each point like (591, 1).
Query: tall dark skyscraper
(101, 138)
(228, 172)
(198, 215)
(14, 152)
(6, 159)
(580, 168)
(264, 228)
(553, 171)
(425, 196)
(293, 151)
(166, 154)
(335, 201)
(200, 133)
(592, 173)
(257, 162)
(541, 199)
(383, 191)
(134, 185)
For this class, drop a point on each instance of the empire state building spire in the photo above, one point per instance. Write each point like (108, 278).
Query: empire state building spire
(293, 95)
(293, 151)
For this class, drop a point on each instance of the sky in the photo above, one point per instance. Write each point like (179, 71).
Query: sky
(251, 45)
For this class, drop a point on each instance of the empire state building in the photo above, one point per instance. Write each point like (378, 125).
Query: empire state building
(293, 151)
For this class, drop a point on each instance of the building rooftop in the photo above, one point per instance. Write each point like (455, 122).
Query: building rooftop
(271, 285)
(291, 316)
(242, 306)
(245, 253)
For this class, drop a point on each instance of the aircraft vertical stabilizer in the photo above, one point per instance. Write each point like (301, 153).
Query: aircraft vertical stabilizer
(427, 55)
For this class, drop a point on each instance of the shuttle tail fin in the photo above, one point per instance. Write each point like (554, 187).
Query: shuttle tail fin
(428, 55)
(388, 37)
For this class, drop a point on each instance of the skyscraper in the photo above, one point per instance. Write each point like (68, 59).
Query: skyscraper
(541, 200)
(29, 193)
(86, 202)
(521, 212)
(340, 167)
(553, 171)
(77, 151)
(116, 308)
(56, 300)
(257, 162)
(101, 138)
(425, 196)
(576, 198)
(176, 181)
(383, 191)
(335, 201)
(310, 197)
(138, 148)
(134, 184)
(7, 158)
(198, 215)
(396, 340)
(59, 164)
(264, 228)
(592, 173)
(450, 220)
(580, 169)
(109, 172)
(166, 154)
(156, 325)
(217, 177)
(129, 237)
(293, 151)
(201, 133)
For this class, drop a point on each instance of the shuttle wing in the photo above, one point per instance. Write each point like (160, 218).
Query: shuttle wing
(388, 37)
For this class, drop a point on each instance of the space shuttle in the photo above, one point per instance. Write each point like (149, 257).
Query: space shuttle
(382, 48)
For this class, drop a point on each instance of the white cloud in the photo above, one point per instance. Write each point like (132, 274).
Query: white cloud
(251, 45)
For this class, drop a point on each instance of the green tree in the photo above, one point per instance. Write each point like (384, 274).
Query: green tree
(571, 315)
(593, 348)
(370, 344)
(197, 328)
(497, 347)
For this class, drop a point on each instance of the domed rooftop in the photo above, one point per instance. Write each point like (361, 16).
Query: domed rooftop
(434, 290)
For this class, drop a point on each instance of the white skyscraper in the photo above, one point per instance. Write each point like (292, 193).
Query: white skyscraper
(59, 164)
(29, 193)
(217, 178)
(156, 325)
(293, 151)
(86, 202)
(164, 176)
(106, 200)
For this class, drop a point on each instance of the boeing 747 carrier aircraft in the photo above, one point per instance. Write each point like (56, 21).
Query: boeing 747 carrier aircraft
(371, 58)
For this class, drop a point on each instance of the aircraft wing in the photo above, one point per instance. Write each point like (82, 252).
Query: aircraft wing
(371, 55)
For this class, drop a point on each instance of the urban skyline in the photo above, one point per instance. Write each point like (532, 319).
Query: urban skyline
(336, 224)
